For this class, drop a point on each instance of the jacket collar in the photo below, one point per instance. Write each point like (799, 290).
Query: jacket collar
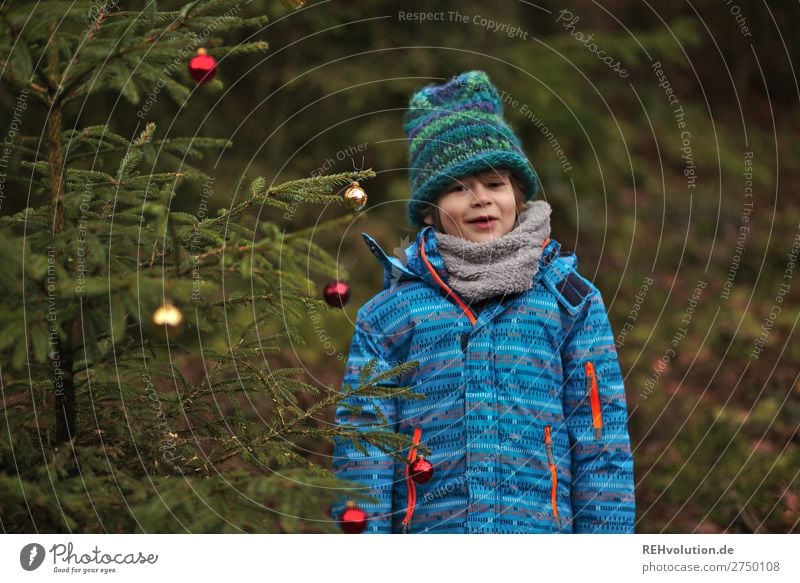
(422, 260)
(408, 263)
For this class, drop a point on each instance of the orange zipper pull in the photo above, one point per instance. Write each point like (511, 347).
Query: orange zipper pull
(594, 399)
(410, 484)
(553, 474)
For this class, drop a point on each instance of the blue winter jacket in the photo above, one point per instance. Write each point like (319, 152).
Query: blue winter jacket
(525, 413)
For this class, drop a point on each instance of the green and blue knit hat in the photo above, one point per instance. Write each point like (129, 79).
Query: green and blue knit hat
(457, 129)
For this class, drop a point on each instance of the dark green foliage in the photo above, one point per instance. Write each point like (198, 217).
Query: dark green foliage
(110, 422)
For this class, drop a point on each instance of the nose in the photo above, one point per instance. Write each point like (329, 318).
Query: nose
(480, 196)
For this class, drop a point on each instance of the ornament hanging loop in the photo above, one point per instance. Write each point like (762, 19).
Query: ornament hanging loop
(359, 169)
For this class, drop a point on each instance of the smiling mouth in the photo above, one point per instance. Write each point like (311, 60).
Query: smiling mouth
(482, 222)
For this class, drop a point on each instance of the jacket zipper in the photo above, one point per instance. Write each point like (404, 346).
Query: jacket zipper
(553, 475)
(450, 293)
(593, 393)
(410, 484)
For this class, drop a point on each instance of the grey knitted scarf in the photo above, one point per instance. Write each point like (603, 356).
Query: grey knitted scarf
(506, 265)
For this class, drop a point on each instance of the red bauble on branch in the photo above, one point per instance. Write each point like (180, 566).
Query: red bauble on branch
(421, 470)
(202, 67)
(353, 520)
(336, 293)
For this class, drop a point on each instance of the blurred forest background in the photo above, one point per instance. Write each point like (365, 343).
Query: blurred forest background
(675, 184)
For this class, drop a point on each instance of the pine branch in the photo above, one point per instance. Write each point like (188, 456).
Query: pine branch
(296, 425)
(71, 87)
(320, 186)
(39, 91)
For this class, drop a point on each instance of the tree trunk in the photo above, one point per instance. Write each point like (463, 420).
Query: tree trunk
(61, 356)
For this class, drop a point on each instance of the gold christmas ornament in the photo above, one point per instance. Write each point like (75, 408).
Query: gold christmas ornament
(355, 198)
(168, 315)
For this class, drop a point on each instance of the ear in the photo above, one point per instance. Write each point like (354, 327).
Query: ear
(428, 219)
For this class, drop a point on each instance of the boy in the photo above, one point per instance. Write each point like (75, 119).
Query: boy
(525, 412)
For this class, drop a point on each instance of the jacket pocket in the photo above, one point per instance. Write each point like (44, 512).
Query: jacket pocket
(411, 486)
(593, 394)
(548, 443)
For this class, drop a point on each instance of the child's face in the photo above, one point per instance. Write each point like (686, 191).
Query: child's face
(479, 207)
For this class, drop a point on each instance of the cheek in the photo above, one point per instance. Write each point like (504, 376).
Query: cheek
(449, 208)
(508, 204)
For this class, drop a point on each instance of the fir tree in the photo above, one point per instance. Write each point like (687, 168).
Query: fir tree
(103, 429)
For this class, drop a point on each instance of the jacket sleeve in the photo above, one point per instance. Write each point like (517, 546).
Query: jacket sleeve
(602, 465)
(375, 471)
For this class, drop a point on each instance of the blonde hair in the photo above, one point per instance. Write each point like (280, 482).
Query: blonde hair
(516, 186)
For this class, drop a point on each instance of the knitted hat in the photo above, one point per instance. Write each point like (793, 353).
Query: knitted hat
(457, 129)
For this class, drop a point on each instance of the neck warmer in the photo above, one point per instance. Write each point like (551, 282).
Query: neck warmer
(506, 265)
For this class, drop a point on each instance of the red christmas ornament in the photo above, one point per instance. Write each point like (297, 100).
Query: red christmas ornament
(421, 470)
(202, 67)
(353, 520)
(336, 293)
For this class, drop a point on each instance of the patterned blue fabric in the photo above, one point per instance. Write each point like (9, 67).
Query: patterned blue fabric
(525, 412)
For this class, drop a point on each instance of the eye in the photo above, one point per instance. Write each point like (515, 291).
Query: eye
(456, 187)
(497, 184)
